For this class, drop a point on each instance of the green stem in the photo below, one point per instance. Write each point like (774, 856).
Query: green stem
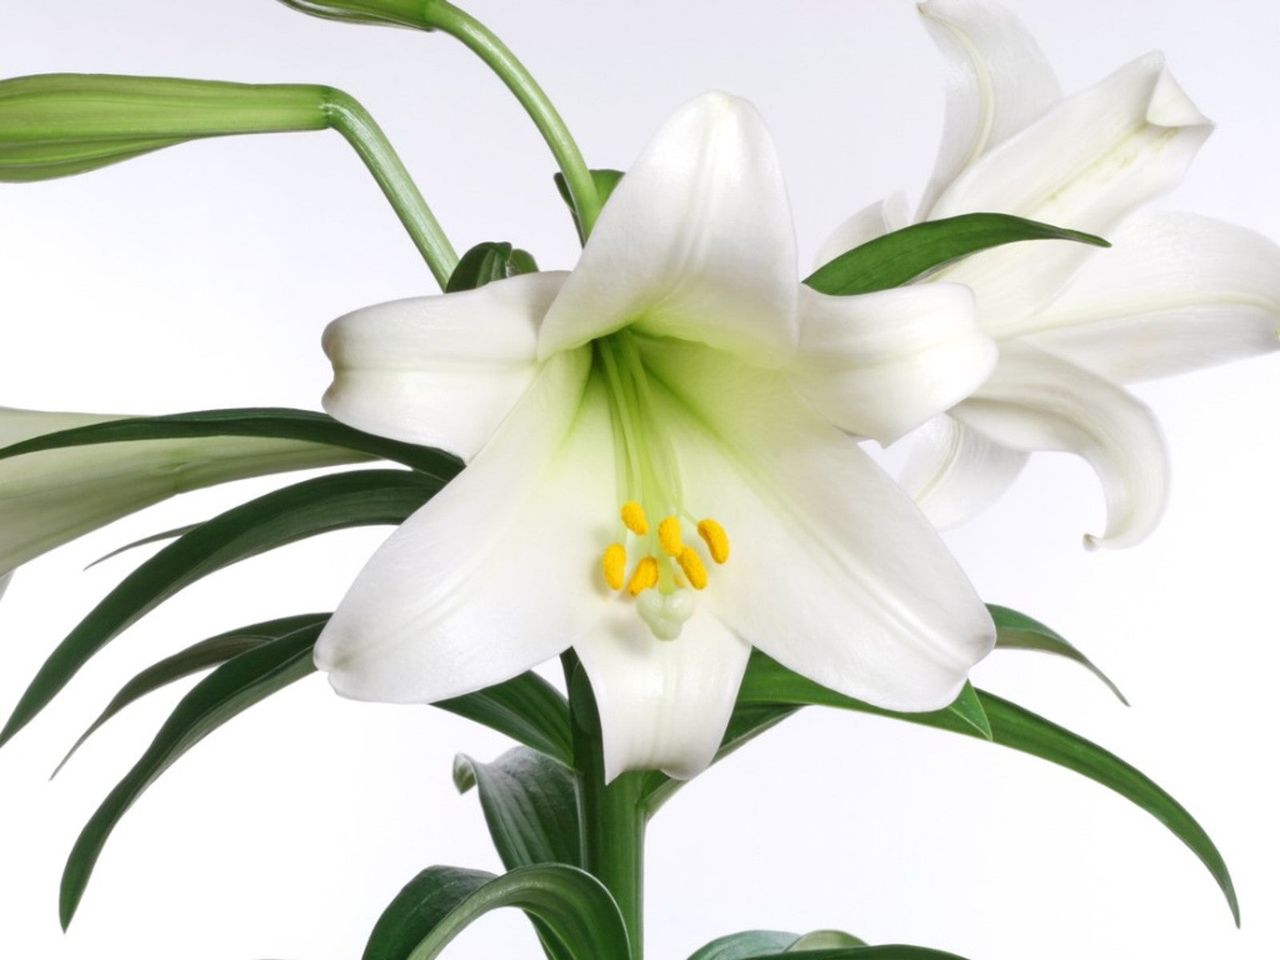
(612, 815)
(482, 41)
(351, 120)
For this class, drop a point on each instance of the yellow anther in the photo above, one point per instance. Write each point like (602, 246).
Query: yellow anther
(633, 516)
(716, 539)
(645, 576)
(615, 565)
(669, 537)
(693, 568)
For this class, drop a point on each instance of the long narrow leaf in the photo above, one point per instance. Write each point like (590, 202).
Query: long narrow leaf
(285, 516)
(441, 902)
(1020, 729)
(1017, 631)
(231, 689)
(896, 951)
(195, 658)
(525, 708)
(276, 422)
(530, 804)
(902, 256)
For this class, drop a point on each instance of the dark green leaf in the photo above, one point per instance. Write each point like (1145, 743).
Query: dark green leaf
(525, 708)
(825, 940)
(530, 803)
(442, 901)
(770, 693)
(145, 541)
(767, 682)
(1017, 631)
(231, 689)
(316, 506)
(277, 422)
(605, 180)
(748, 943)
(902, 256)
(1020, 729)
(487, 262)
(896, 951)
(197, 657)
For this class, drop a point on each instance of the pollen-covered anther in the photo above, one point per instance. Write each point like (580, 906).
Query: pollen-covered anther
(715, 538)
(644, 577)
(634, 518)
(693, 568)
(615, 565)
(669, 537)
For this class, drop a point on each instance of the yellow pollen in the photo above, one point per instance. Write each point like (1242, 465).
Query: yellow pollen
(693, 568)
(615, 565)
(633, 516)
(669, 537)
(716, 539)
(645, 576)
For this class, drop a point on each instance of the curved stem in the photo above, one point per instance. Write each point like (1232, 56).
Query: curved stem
(350, 119)
(486, 45)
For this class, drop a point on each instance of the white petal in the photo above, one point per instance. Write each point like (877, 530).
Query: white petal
(664, 705)
(1179, 292)
(439, 371)
(500, 570)
(955, 472)
(869, 223)
(881, 364)
(50, 498)
(696, 242)
(833, 571)
(998, 82)
(4, 582)
(1086, 164)
(1035, 401)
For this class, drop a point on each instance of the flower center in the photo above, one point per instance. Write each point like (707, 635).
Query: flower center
(667, 566)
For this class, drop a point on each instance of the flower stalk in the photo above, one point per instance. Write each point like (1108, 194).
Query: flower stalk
(612, 815)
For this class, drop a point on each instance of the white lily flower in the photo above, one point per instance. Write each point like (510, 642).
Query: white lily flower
(1176, 293)
(623, 423)
(51, 497)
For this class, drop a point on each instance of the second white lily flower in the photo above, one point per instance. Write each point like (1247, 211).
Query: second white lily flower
(660, 473)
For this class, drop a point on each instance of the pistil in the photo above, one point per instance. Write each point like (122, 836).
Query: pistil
(668, 569)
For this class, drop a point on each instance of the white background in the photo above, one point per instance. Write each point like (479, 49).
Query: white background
(201, 277)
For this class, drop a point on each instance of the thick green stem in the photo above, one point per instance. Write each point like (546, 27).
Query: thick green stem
(612, 815)
(481, 40)
(351, 120)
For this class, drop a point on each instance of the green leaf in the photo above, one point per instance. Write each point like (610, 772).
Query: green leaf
(1017, 631)
(824, 940)
(276, 422)
(769, 683)
(525, 708)
(195, 658)
(1020, 729)
(442, 901)
(896, 951)
(605, 180)
(770, 693)
(530, 803)
(172, 534)
(487, 262)
(748, 943)
(231, 689)
(320, 505)
(902, 256)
